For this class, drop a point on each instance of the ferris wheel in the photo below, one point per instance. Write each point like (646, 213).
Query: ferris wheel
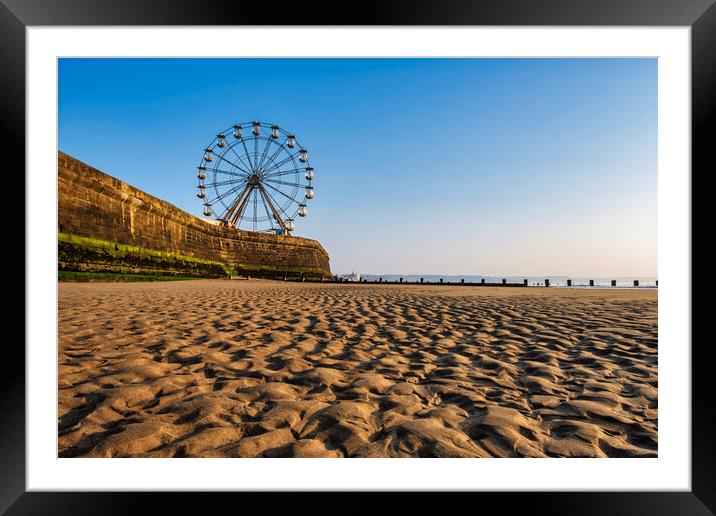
(255, 176)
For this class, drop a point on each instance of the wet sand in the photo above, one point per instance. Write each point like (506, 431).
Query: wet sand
(219, 368)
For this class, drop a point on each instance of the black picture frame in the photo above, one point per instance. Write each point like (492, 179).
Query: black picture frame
(700, 15)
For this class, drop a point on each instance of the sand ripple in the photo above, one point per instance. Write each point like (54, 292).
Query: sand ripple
(269, 369)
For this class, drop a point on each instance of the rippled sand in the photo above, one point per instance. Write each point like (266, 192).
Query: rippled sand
(244, 369)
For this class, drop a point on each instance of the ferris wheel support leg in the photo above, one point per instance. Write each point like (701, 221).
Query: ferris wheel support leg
(276, 215)
(242, 206)
(229, 213)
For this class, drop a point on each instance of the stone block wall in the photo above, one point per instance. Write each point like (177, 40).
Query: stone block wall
(95, 205)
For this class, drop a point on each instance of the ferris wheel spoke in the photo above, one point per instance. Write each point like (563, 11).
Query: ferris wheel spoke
(256, 151)
(248, 154)
(219, 197)
(229, 162)
(283, 162)
(273, 156)
(264, 152)
(276, 181)
(284, 173)
(228, 182)
(224, 195)
(231, 147)
(285, 195)
(220, 171)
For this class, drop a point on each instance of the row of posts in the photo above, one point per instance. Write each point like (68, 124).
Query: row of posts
(525, 282)
(482, 281)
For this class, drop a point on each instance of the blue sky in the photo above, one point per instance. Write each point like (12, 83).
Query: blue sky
(445, 166)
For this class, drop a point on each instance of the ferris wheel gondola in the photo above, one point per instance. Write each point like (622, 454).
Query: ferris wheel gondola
(257, 181)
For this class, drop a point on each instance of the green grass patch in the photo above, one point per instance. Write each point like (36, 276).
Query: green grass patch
(112, 276)
(80, 256)
(116, 248)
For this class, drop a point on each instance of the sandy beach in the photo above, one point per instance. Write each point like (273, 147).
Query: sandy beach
(219, 368)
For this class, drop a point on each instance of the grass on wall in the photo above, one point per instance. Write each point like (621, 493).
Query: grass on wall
(88, 257)
(81, 276)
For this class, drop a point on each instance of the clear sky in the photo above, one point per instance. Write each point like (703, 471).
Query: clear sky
(444, 166)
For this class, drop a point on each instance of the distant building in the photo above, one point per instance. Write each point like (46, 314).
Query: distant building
(353, 276)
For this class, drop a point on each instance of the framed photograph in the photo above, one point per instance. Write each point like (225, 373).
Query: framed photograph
(436, 248)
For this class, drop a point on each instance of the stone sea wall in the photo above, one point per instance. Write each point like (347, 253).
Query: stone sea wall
(107, 225)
